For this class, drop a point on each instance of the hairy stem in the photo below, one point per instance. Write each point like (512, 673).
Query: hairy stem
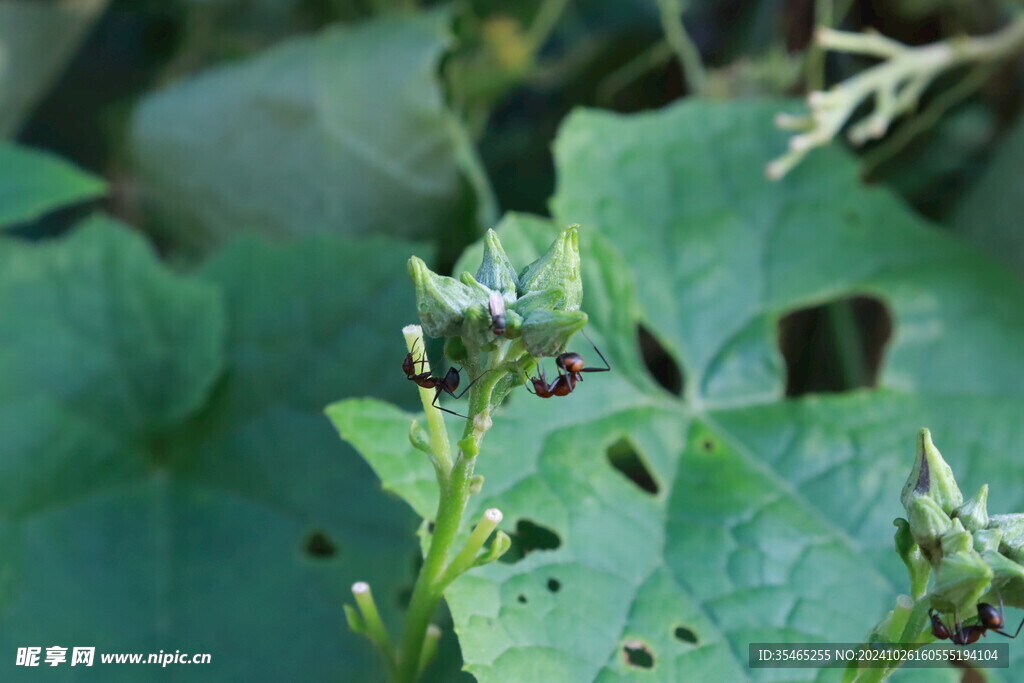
(454, 495)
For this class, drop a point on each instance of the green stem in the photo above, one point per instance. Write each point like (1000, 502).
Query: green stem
(686, 50)
(454, 495)
(435, 418)
(375, 629)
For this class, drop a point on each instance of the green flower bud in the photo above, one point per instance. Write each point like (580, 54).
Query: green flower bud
(542, 299)
(1012, 527)
(956, 539)
(962, 578)
(419, 438)
(974, 512)
(1008, 580)
(932, 477)
(499, 546)
(928, 523)
(476, 327)
(988, 539)
(496, 271)
(441, 301)
(546, 333)
(559, 268)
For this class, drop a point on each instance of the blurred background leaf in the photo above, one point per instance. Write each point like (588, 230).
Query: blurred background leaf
(344, 132)
(34, 183)
(37, 38)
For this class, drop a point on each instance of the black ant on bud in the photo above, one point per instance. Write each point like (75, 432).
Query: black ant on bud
(990, 618)
(570, 371)
(448, 384)
(496, 307)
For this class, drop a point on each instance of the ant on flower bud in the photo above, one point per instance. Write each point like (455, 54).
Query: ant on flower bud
(570, 368)
(990, 618)
(448, 384)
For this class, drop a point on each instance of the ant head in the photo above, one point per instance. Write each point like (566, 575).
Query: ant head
(989, 616)
(939, 629)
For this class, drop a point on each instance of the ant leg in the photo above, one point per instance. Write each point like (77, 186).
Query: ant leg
(463, 392)
(1003, 633)
(607, 365)
(437, 395)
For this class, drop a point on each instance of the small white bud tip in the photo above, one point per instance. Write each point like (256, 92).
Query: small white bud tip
(774, 170)
(360, 587)
(493, 515)
(433, 631)
(800, 143)
(412, 329)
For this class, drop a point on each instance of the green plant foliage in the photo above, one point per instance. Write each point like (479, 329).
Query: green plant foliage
(36, 40)
(989, 214)
(344, 131)
(772, 518)
(33, 183)
(169, 481)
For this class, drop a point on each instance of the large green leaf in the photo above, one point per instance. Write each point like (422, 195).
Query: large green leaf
(169, 480)
(989, 213)
(36, 41)
(344, 131)
(772, 517)
(33, 183)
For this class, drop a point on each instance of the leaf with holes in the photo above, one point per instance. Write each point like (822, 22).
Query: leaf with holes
(691, 523)
(351, 120)
(169, 480)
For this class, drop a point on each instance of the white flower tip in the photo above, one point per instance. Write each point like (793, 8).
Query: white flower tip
(412, 329)
(800, 143)
(775, 170)
(493, 515)
(360, 587)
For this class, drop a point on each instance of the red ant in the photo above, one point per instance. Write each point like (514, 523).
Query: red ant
(573, 366)
(448, 384)
(496, 307)
(989, 619)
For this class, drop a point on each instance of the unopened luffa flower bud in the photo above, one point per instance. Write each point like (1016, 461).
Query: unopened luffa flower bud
(1012, 528)
(496, 271)
(559, 269)
(546, 333)
(974, 513)
(1008, 579)
(931, 477)
(928, 522)
(442, 301)
(962, 578)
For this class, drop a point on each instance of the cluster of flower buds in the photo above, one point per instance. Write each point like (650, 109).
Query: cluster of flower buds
(500, 313)
(971, 553)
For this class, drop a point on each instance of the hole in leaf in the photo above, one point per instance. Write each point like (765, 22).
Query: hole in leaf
(659, 362)
(528, 537)
(622, 456)
(637, 654)
(554, 585)
(708, 445)
(521, 598)
(430, 527)
(834, 347)
(319, 545)
(686, 635)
